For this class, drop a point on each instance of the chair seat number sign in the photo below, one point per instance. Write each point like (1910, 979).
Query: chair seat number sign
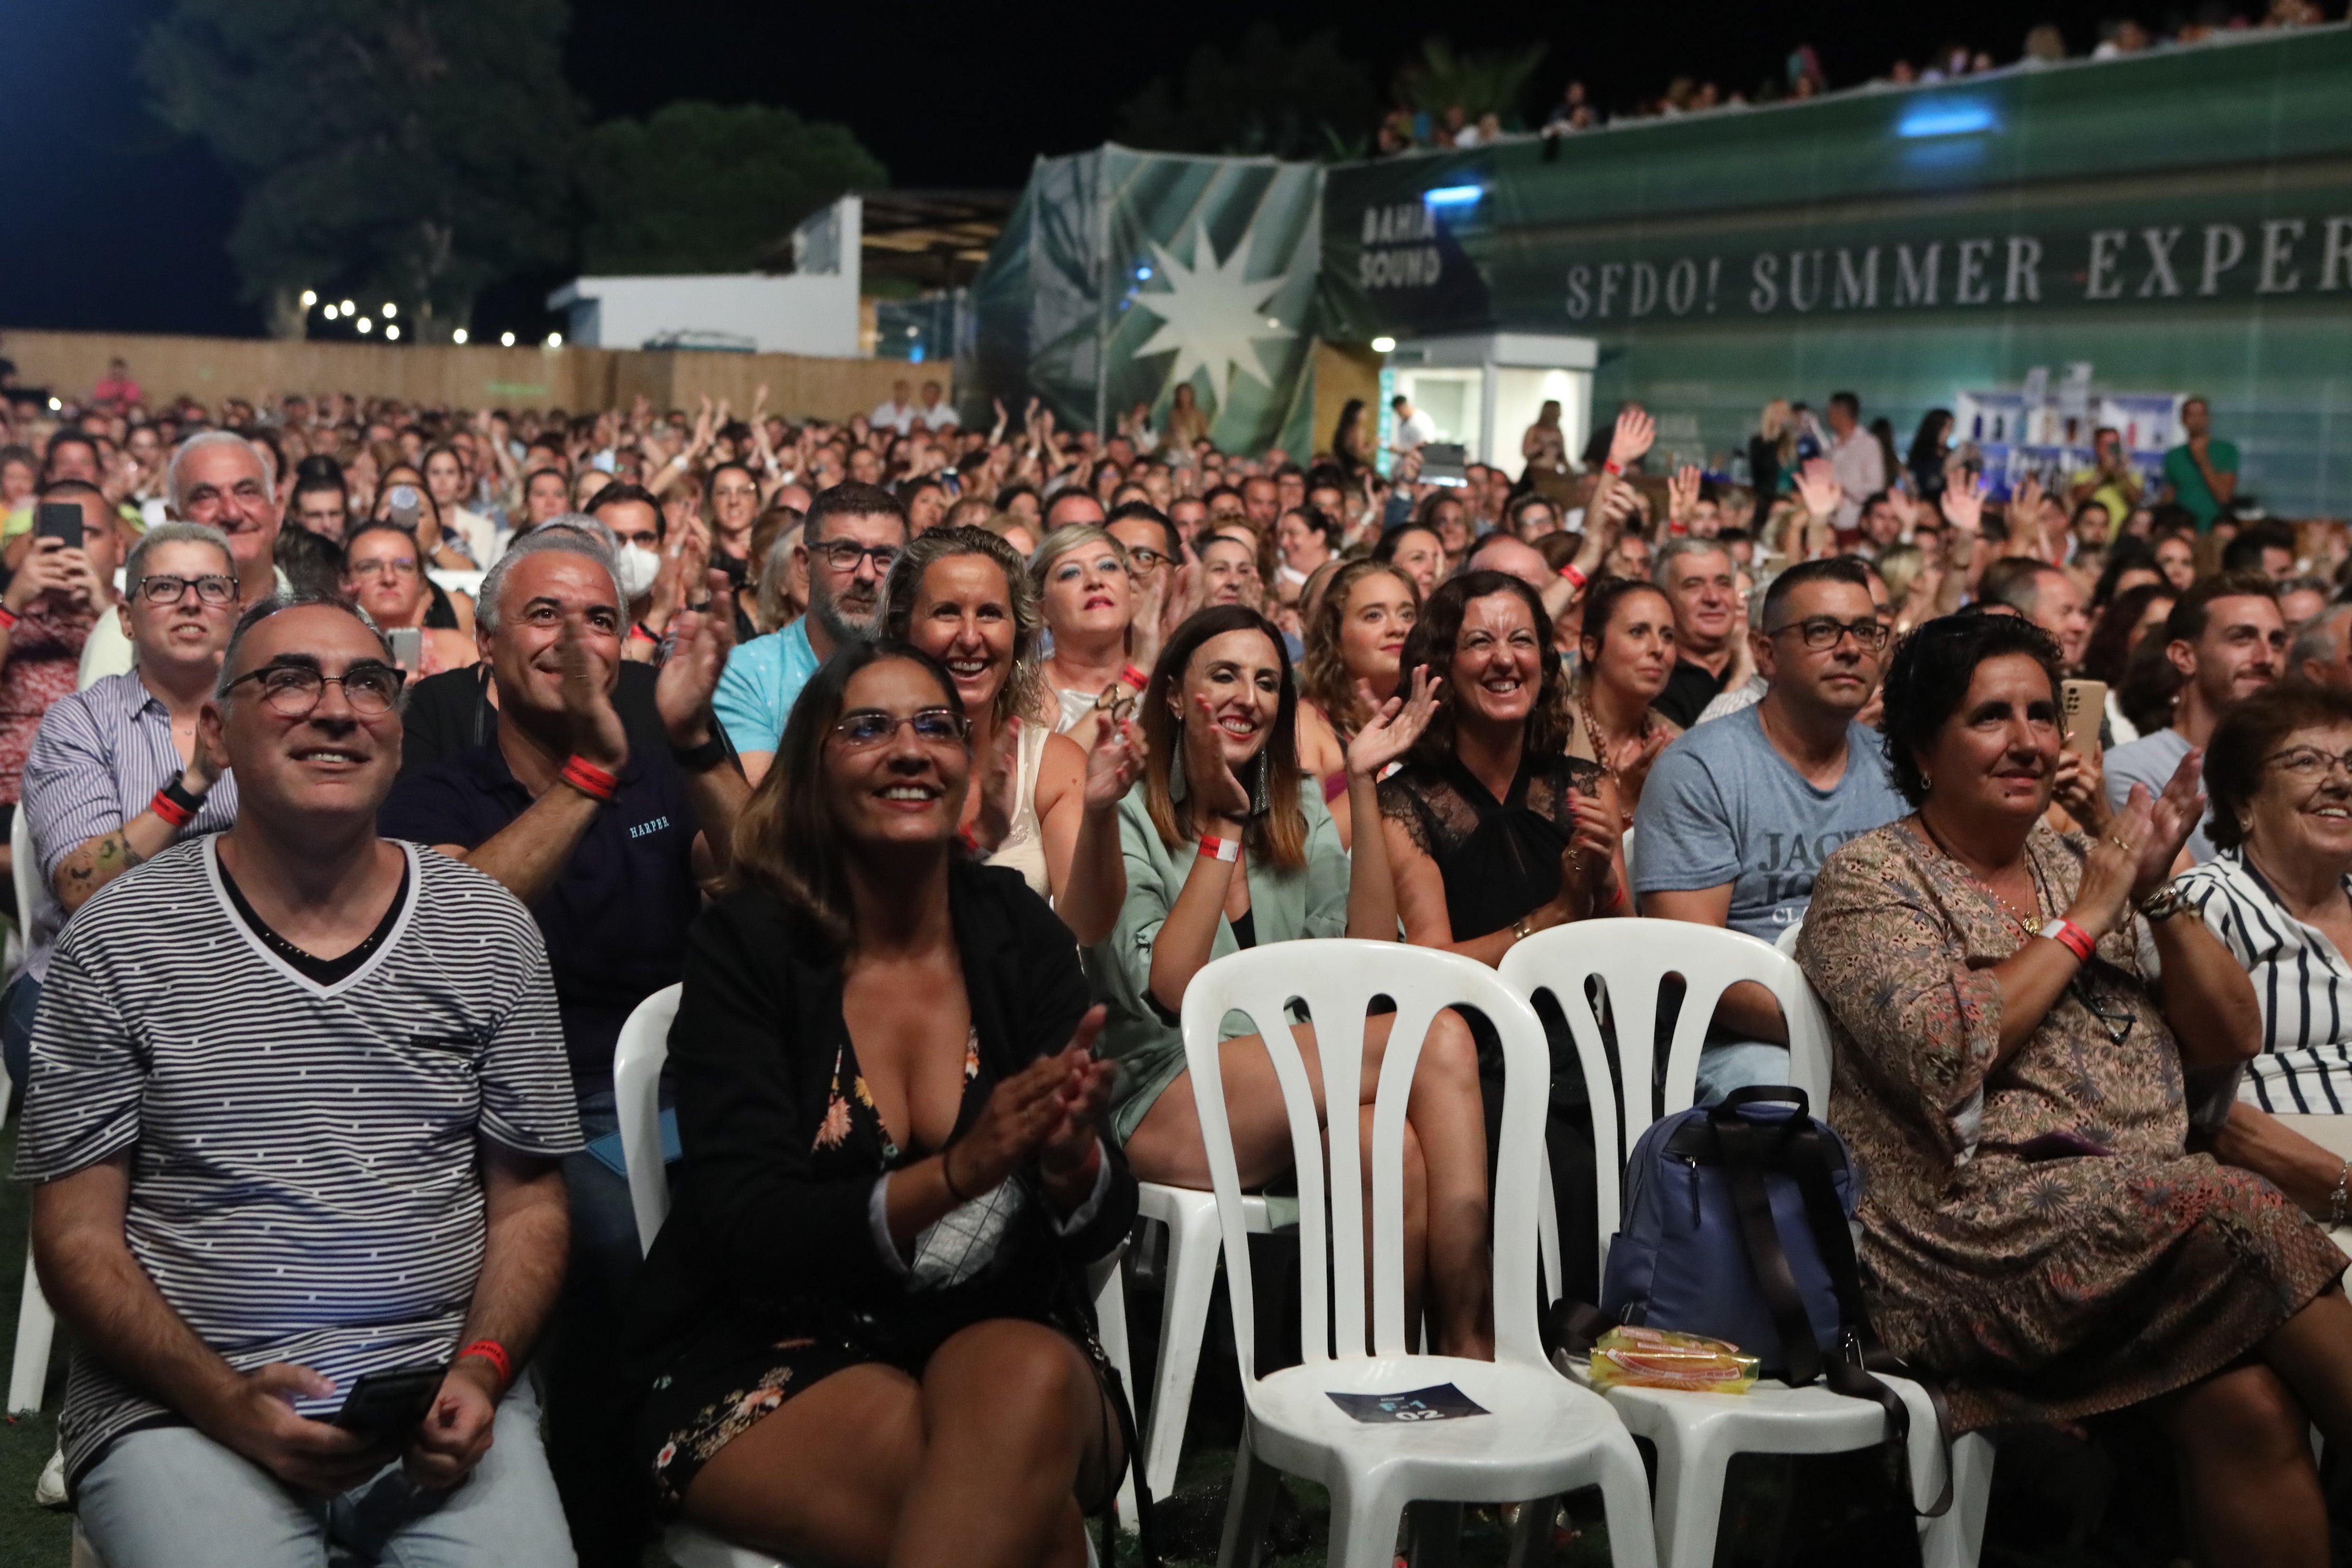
(1442, 1402)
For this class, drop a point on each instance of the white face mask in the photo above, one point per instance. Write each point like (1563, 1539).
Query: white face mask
(636, 567)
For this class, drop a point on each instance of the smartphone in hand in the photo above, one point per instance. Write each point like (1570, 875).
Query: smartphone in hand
(388, 1404)
(59, 520)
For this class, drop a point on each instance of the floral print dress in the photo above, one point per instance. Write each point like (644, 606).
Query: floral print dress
(2037, 1235)
(730, 1382)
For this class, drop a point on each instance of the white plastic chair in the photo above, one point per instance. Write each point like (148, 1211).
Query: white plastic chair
(1190, 1283)
(1697, 1433)
(1543, 1435)
(36, 1325)
(637, 1061)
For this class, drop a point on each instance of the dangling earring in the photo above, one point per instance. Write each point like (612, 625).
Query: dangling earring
(1176, 791)
(1258, 801)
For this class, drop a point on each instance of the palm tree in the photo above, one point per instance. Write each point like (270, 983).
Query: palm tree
(1483, 82)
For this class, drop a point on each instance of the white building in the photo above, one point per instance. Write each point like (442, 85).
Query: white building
(812, 309)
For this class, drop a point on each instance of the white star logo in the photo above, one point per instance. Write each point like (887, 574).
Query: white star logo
(1211, 316)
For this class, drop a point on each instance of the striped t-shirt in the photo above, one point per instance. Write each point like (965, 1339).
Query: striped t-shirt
(303, 1183)
(2303, 984)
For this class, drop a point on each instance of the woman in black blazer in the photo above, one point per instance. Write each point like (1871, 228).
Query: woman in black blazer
(867, 1317)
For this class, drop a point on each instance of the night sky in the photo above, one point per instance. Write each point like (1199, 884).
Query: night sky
(113, 224)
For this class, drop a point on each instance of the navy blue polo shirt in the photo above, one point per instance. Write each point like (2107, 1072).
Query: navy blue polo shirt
(617, 916)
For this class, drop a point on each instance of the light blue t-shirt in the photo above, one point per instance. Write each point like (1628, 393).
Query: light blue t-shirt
(761, 681)
(2151, 760)
(1721, 806)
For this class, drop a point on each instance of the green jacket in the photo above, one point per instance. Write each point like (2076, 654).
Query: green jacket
(1146, 1042)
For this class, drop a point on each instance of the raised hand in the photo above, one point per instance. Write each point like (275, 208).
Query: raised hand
(1394, 725)
(1963, 502)
(1818, 488)
(2111, 869)
(597, 735)
(1114, 763)
(1068, 1146)
(2080, 786)
(1207, 774)
(2172, 817)
(1682, 495)
(1635, 433)
(1020, 1113)
(702, 636)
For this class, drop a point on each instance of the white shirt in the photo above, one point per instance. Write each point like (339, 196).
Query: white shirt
(892, 415)
(2302, 983)
(1860, 469)
(1415, 429)
(940, 415)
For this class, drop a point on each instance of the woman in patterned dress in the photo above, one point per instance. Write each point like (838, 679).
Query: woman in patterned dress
(860, 1337)
(2036, 1233)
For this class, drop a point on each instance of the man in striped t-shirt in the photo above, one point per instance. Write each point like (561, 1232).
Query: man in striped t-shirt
(297, 1105)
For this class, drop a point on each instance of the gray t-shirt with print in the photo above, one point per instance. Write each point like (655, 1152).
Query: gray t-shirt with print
(1721, 806)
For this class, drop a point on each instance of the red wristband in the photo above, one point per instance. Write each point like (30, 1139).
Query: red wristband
(2071, 937)
(1576, 579)
(1612, 467)
(492, 1351)
(171, 810)
(637, 632)
(8, 618)
(1221, 849)
(1135, 678)
(590, 780)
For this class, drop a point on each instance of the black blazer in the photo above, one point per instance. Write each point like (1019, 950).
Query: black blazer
(752, 1233)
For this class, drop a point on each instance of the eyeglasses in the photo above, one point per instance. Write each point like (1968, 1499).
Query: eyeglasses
(869, 727)
(843, 554)
(292, 690)
(1821, 633)
(160, 590)
(1143, 558)
(2309, 764)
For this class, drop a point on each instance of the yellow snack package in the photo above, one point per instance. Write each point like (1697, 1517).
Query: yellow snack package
(1660, 1358)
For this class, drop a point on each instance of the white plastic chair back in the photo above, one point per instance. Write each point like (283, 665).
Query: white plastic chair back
(1631, 958)
(1336, 980)
(636, 1096)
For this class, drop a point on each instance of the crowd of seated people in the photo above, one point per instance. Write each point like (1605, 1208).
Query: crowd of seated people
(374, 787)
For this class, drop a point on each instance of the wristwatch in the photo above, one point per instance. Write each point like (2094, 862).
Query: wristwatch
(702, 759)
(2164, 903)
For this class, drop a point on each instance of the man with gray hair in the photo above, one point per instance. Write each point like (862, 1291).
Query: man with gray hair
(2322, 651)
(852, 534)
(297, 1103)
(220, 479)
(1702, 587)
(119, 771)
(604, 831)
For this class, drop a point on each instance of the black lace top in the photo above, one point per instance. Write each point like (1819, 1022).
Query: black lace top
(1500, 858)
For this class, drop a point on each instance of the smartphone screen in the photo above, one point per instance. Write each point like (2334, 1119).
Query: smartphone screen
(59, 520)
(408, 646)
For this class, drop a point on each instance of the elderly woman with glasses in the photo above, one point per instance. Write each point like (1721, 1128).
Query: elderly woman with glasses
(2278, 893)
(2037, 1235)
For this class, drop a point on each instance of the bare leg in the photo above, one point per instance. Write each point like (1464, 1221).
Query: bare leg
(1446, 1117)
(819, 1479)
(1013, 1424)
(1446, 1110)
(2254, 1493)
(2313, 1351)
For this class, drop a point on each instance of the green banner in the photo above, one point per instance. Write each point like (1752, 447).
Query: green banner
(2182, 221)
(1123, 275)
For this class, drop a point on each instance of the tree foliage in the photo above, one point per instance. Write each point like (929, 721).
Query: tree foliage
(1483, 82)
(410, 150)
(1293, 100)
(702, 187)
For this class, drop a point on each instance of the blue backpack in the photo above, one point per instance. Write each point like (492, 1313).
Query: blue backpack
(1684, 1256)
(1735, 1226)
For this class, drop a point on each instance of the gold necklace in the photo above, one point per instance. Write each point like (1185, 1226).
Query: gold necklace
(2030, 924)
